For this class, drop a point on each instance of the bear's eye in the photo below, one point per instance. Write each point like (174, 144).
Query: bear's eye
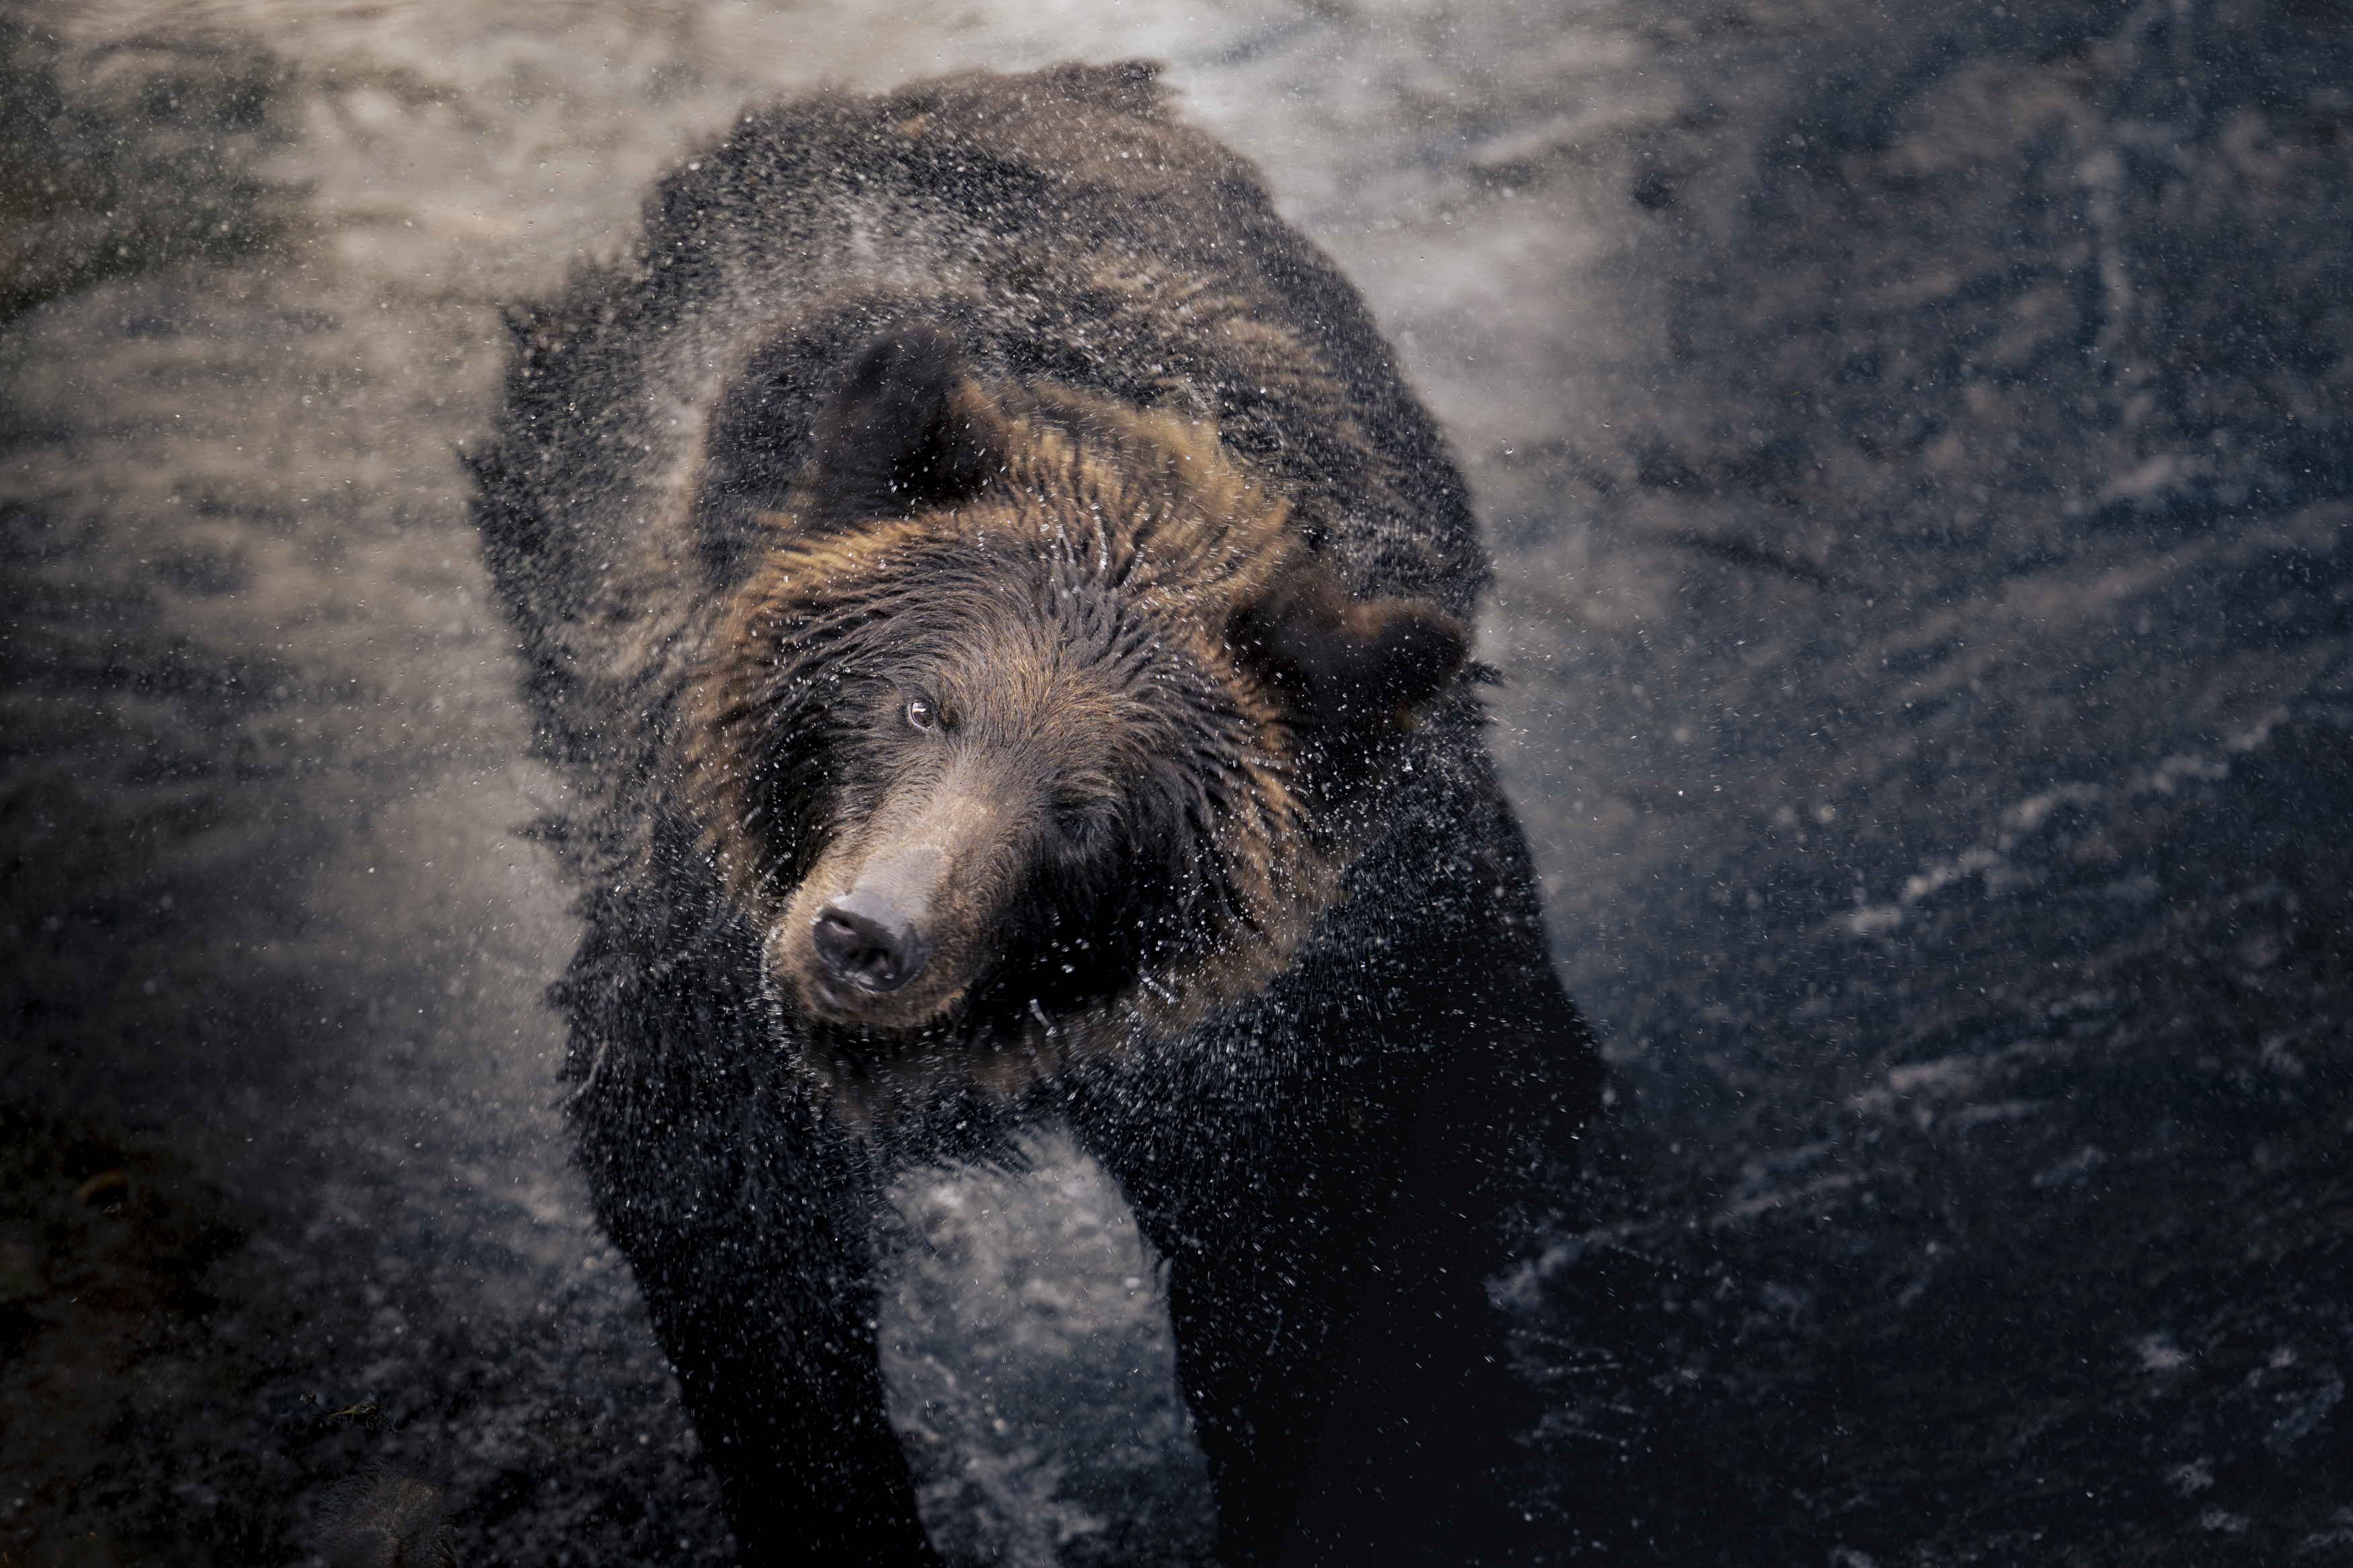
(922, 714)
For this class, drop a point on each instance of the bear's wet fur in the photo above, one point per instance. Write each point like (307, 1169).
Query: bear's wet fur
(1049, 679)
(1002, 619)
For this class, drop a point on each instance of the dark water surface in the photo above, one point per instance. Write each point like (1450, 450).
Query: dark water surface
(1914, 441)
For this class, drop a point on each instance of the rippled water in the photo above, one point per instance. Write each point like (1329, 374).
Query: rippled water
(1911, 448)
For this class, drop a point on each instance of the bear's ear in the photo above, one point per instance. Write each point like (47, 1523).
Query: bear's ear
(908, 428)
(1344, 661)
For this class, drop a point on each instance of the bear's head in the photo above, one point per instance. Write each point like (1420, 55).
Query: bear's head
(1035, 731)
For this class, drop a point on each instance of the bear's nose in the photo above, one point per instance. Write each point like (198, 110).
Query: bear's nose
(862, 939)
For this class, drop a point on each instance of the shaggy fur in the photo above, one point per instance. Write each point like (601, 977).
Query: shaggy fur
(1002, 616)
(1138, 667)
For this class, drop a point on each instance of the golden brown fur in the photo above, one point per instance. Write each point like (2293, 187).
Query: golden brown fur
(1095, 498)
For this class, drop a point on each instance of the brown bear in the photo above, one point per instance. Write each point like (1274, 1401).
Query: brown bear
(1003, 618)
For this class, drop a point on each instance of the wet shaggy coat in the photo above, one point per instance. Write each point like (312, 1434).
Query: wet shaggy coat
(1208, 531)
(1146, 715)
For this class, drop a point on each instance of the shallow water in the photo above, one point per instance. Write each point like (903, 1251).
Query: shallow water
(1912, 450)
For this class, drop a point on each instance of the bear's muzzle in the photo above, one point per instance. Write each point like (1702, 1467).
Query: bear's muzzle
(890, 936)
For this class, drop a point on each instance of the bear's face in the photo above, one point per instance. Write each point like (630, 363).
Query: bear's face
(1035, 732)
(1007, 769)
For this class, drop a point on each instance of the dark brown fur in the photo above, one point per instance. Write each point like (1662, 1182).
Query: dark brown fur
(1001, 618)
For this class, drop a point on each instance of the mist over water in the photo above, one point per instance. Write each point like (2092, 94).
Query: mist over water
(1912, 447)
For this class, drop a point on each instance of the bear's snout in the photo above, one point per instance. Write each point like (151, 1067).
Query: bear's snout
(864, 940)
(891, 938)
